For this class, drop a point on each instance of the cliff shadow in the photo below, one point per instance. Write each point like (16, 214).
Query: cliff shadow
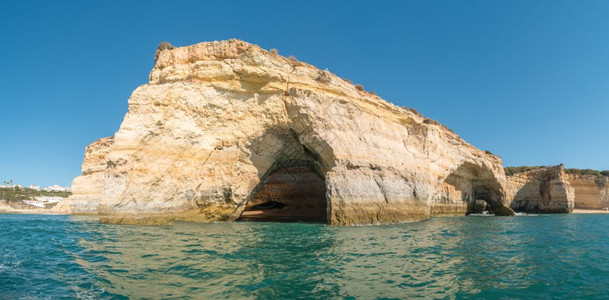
(292, 184)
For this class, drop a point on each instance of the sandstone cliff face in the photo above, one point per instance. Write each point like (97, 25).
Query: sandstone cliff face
(591, 192)
(543, 190)
(88, 189)
(218, 120)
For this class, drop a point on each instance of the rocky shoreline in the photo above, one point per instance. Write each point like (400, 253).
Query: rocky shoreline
(8, 209)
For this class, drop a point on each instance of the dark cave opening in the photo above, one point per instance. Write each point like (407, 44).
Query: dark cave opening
(289, 195)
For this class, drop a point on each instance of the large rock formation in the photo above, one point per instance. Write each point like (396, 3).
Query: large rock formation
(224, 125)
(591, 192)
(541, 190)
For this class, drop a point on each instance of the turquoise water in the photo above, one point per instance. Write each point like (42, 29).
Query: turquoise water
(554, 256)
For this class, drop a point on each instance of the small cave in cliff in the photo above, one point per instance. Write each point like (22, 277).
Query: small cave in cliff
(289, 194)
(471, 189)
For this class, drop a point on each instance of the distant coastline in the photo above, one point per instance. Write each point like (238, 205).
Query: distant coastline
(16, 199)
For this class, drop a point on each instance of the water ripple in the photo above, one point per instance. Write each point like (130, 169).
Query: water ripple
(558, 256)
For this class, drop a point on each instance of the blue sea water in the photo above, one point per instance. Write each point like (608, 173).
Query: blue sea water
(545, 256)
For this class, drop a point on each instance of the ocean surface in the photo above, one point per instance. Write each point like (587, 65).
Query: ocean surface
(543, 256)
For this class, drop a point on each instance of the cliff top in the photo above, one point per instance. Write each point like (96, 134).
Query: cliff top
(509, 171)
(228, 64)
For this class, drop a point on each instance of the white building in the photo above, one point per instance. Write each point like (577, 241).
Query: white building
(47, 199)
(43, 200)
(34, 202)
(57, 188)
(34, 187)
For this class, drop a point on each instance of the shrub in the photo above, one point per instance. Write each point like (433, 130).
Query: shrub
(488, 152)
(414, 111)
(431, 122)
(293, 61)
(274, 51)
(589, 172)
(323, 76)
(515, 170)
(162, 46)
(359, 87)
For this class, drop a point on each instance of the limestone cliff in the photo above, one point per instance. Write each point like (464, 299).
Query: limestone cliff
(541, 190)
(222, 126)
(591, 192)
(88, 189)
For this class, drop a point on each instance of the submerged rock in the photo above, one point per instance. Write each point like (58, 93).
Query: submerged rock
(218, 120)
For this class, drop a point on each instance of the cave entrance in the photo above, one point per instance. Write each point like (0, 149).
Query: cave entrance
(476, 189)
(289, 194)
(480, 201)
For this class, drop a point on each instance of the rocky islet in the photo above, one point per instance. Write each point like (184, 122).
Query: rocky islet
(225, 127)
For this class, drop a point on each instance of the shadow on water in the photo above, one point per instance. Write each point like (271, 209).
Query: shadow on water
(561, 256)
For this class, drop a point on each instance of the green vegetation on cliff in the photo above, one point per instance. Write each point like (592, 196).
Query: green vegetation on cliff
(588, 172)
(17, 194)
(509, 171)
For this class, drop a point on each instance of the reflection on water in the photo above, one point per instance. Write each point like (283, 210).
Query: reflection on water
(562, 256)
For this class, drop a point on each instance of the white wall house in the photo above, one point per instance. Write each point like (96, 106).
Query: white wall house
(43, 200)
(34, 202)
(47, 199)
(57, 188)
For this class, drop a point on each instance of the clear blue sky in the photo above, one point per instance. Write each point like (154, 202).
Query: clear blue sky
(527, 80)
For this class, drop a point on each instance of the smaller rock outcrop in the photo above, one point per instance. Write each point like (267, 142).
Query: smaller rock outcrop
(541, 190)
(88, 189)
(591, 191)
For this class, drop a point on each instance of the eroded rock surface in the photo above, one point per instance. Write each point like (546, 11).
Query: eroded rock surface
(542, 190)
(591, 192)
(88, 189)
(217, 120)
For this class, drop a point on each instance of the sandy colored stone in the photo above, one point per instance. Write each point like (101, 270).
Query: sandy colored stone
(542, 190)
(88, 189)
(217, 119)
(591, 192)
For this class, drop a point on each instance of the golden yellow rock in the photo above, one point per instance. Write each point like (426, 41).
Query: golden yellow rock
(541, 190)
(228, 124)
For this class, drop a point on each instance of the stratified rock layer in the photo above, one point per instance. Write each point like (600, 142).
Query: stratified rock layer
(218, 119)
(88, 189)
(542, 190)
(591, 192)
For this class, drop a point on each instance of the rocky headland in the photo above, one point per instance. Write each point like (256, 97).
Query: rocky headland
(556, 189)
(591, 191)
(541, 190)
(224, 128)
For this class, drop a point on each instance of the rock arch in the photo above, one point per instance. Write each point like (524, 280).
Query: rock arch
(291, 186)
(218, 120)
(464, 186)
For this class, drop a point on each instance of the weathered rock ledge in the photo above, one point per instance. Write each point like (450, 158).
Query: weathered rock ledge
(542, 190)
(225, 127)
(591, 192)
(556, 190)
